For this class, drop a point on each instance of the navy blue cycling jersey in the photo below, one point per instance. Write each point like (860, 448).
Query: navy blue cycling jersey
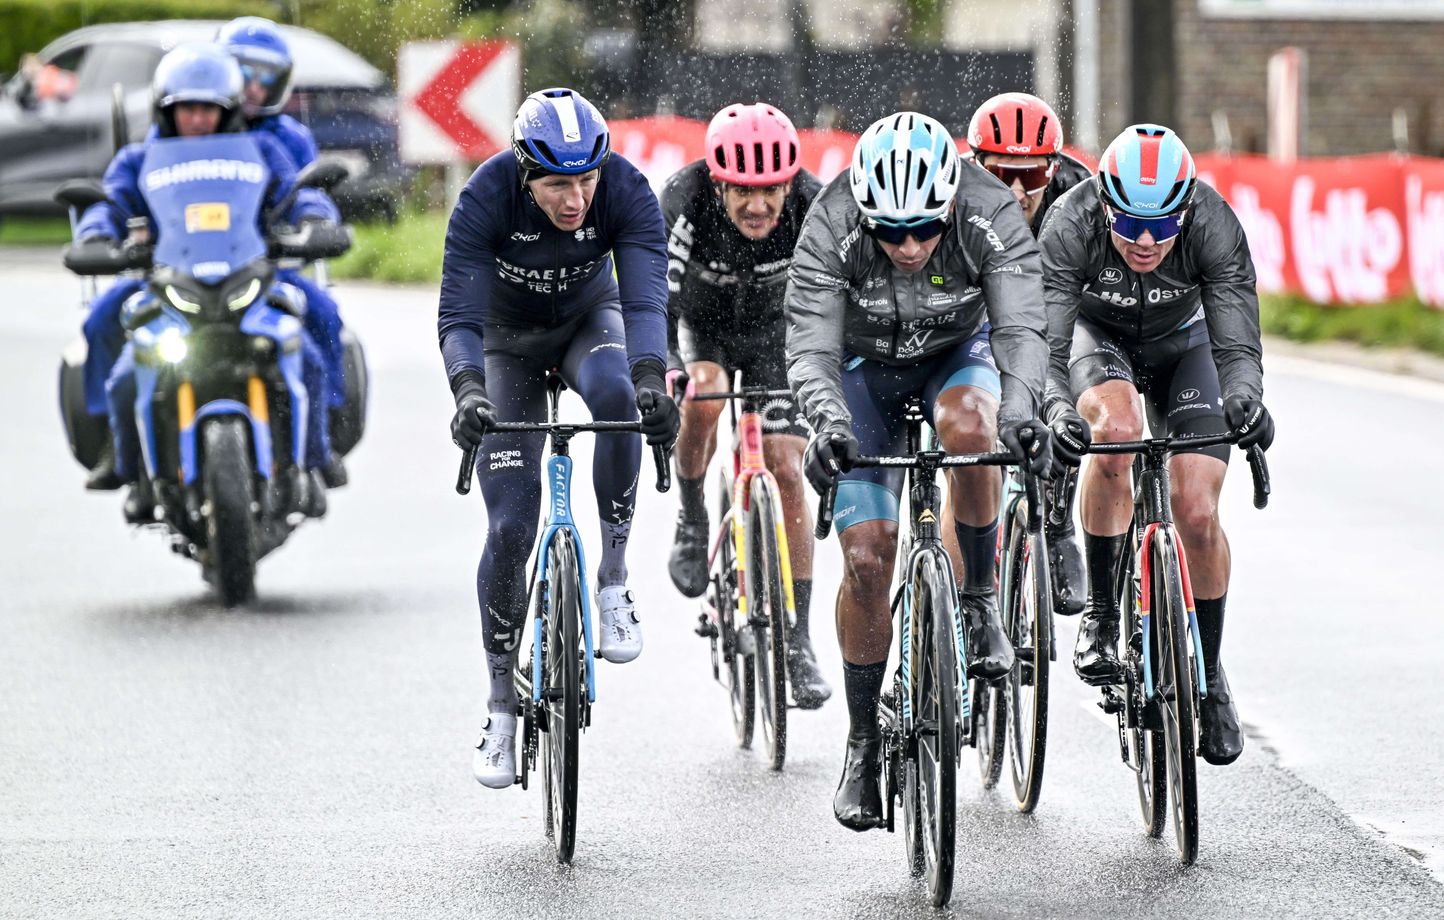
(507, 263)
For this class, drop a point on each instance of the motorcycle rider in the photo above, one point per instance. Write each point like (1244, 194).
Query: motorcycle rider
(196, 92)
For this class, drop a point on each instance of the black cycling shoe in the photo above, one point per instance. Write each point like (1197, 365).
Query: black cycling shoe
(809, 690)
(334, 472)
(1065, 563)
(990, 654)
(1095, 657)
(1220, 740)
(315, 501)
(858, 803)
(139, 507)
(688, 565)
(102, 476)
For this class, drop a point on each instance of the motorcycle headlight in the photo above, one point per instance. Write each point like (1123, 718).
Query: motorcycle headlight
(171, 346)
(179, 301)
(246, 297)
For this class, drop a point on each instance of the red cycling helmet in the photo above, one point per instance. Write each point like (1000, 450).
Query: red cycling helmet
(1016, 124)
(752, 145)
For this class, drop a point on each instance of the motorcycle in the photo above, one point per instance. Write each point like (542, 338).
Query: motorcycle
(221, 406)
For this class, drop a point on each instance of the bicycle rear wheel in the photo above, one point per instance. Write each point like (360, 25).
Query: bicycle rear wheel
(931, 788)
(1177, 688)
(1028, 618)
(562, 693)
(767, 616)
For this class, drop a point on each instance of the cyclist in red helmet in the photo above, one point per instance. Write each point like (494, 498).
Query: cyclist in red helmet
(732, 220)
(1018, 138)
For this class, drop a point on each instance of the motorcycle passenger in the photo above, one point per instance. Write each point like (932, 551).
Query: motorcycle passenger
(732, 224)
(902, 265)
(528, 285)
(1149, 279)
(196, 92)
(1019, 138)
(265, 59)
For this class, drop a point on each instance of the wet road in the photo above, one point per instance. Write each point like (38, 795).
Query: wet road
(163, 757)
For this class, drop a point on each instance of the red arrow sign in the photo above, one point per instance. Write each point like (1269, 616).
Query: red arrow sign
(440, 99)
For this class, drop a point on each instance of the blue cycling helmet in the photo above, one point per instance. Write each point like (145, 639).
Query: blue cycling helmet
(197, 72)
(905, 171)
(559, 131)
(264, 58)
(1147, 172)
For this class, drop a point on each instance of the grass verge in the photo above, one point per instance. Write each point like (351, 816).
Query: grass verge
(408, 251)
(1395, 324)
(34, 231)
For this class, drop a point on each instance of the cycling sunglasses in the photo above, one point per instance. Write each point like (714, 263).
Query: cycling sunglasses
(1131, 228)
(1034, 178)
(894, 235)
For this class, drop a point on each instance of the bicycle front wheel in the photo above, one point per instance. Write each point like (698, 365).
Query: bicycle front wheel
(562, 693)
(1145, 739)
(767, 616)
(1177, 688)
(1028, 619)
(931, 789)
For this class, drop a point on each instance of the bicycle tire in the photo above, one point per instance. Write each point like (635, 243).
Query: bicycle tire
(1029, 625)
(741, 674)
(1178, 688)
(562, 693)
(1146, 743)
(767, 615)
(933, 786)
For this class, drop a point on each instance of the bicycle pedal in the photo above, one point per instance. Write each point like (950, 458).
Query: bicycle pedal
(705, 627)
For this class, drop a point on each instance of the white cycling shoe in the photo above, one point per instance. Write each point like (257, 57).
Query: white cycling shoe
(621, 630)
(494, 763)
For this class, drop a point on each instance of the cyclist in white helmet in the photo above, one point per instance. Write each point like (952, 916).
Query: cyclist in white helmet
(903, 266)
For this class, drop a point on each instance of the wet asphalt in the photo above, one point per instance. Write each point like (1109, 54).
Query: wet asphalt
(161, 756)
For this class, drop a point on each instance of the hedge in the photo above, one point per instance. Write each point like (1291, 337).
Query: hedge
(30, 25)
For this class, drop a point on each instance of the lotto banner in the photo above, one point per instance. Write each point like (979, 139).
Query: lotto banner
(1349, 230)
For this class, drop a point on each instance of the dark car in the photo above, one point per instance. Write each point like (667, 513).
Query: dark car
(56, 114)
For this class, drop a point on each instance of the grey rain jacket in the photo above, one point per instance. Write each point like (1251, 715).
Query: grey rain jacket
(845, 298)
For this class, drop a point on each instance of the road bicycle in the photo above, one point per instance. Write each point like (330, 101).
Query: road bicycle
(1163, 673)
(926, 717)
(556, 687)
(749, 605)
(1013, 715)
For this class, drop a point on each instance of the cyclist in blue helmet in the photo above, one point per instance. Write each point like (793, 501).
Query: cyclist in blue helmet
(196, 91)
(911, 273)
(528, 284)
(259, 47)
(1150, 289)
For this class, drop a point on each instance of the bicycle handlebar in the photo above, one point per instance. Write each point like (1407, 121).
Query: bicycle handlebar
(1257, 466)
(660, 455)
(746, 393)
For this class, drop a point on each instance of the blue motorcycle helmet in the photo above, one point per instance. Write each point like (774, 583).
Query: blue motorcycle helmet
(559, 131)
(197, 72)
(265, 59)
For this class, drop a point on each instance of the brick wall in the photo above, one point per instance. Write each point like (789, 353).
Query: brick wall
(1358, 72)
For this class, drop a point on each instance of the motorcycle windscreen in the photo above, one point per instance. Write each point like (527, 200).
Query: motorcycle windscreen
(206, 196)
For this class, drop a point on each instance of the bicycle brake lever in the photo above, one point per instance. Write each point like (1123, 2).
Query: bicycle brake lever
(662, 456)
(463, 475)
(824, 513)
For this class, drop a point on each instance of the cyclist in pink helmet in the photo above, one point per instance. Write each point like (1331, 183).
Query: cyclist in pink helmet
(732, 221)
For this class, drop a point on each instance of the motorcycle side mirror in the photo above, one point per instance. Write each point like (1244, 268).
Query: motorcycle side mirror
(80, 193)
(322, 174)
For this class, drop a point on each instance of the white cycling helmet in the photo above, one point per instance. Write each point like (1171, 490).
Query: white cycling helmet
(905, 170)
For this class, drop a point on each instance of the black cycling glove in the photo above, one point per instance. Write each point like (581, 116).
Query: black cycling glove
(661, 420)
(1034, 449)
(830, 452)
(474, 412)
(1249, 421)
(1071, 437)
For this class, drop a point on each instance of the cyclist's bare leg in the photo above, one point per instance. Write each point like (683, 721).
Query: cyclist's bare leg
(1105, 503)
(1197, 481)
(864, 617)
(966, 422)
(696, 443)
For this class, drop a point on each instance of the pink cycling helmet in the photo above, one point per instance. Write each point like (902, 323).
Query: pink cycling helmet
(752, 145)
